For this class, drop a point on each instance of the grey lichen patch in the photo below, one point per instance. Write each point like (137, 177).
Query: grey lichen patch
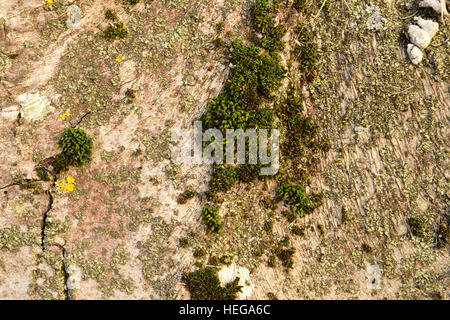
(107, 155)
(155, 258)
(138, 217)
(117, 179)
(54, 28)
(121, 284)
(243, 238)
(55, 227)
(96, 269)
(157, 146)
(85, 81)
(38, 155)
(5, 61)
(49, 276)
(47, 287)
(437, 54)
(386, 93)
(12, 238)
(119, 258)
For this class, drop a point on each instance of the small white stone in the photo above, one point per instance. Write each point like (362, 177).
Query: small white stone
(418, 36)
(434, 4)
(74, 277)
(414, 54)
(429, 26)
(34, 107)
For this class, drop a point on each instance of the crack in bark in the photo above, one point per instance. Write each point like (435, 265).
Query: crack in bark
(9, 185)
(64, 270)
(81, 119)
(44, 219)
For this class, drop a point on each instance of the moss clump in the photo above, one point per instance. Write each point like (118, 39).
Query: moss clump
(297, 230)
(220, 26)
(219, 43)
(130, 94)
(320, 229)
(306, 53)
(76, 149)
(416, 226)
(254, 74)
(110, 15)
(295, 196)
(271, 261)
(250, 172)
(443, 234)
(268, 226)
(326, 10)
(116, 31)
(214, 261)
(366, 248)
(224, 113)
(226, 259)
(262, 12)
(268, 203)
(302, 6)
(210, 217)
(302, 144)
(204, 284)
(184, 242)
(272, 296)
(224, 177)
(42, 173)
(185, 196)
(289, 215)
(199, 252)
(131, 2)
(285, 254)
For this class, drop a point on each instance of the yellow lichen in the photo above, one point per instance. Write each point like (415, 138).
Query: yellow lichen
(66, 184)
(64, 115)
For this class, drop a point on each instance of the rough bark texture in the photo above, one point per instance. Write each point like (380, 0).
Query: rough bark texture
(117, 235)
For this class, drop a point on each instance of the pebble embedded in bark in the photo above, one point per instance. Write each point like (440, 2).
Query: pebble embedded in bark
(418, 36)
(429, 26)
(435, 5)
(414, 54)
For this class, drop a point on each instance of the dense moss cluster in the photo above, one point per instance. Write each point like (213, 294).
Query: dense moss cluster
(298, 230)
(262, 12)
(257, 73)
(185, 196)
(131, 2)
(302, 145)
(302, 6)
(42, 173)
(76, 148)
(416, 226)
(443, 233)
(223, 179)
(116, 31)
(247, 102)
(204, 284)
(210, 217)
(298, 200)
(285, 253)
(306, 53)
(110, 15)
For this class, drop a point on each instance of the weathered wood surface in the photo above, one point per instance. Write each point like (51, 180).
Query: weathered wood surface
(117, 235)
